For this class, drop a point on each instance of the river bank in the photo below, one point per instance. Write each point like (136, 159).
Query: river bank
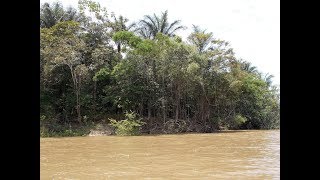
(104, 129)
(74, 129)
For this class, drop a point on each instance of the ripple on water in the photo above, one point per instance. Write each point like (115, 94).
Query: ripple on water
(241, 155)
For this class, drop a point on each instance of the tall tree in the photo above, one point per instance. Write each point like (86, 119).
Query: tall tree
(119, 24)
(200, 38)
(54, 13)
(151, 25)
(62, 47)
(247, 66)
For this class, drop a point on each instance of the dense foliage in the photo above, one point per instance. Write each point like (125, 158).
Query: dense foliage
(128, 126)
(94, 66)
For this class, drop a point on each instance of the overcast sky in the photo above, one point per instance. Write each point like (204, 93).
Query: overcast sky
(251, 26)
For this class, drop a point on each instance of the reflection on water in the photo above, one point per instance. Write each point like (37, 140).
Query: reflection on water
(229, 155)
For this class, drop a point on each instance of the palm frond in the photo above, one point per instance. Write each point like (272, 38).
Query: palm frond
(154, 27)
(147, 25)
(172, 25)
(164, 21)
(176, 29)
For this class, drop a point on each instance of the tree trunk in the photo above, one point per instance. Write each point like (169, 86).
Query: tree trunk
(141, 109)
(94, 95)
(163, 110)
(76, 85)
(119, 47)
(201, 109)
(78, 101)
(78, 106)
(149, 109)
(177, 104)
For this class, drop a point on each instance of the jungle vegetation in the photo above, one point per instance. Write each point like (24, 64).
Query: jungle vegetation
(95, 65)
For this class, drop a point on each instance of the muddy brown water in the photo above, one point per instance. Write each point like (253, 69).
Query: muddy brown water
(225, 155)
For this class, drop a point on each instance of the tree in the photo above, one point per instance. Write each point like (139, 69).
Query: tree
(268, 79)
(150, 26)
(64, 48)
(200, 38)
(55, 13)
(247, 66)
(119, 24)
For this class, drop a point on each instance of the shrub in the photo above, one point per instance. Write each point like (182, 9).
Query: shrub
(129, 126)
(238, 120)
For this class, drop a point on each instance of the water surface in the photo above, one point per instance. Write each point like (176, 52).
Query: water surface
(227, 155)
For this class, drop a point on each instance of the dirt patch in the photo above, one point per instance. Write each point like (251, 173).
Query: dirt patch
(101, 129)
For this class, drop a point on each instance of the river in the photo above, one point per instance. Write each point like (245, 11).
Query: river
(225, 155)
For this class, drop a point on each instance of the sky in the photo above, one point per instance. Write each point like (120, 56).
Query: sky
(251, 26)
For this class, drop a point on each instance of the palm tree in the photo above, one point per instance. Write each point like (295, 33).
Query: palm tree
(150, 26)
(268, 79)
(119, 24)
(200, 38)
(52, 14)
(247, 66)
